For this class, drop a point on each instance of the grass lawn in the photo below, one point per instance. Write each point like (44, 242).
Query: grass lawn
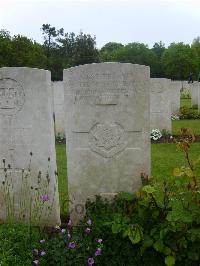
(193, 124)
(164, 158)
(62, 176)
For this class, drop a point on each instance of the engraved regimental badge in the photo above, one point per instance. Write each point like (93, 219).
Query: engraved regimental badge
(12, 96)
(107, 140)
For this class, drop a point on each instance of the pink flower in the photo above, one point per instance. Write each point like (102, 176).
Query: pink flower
(89, 222)
(43, 253)
(45, 197)
(69, 222)
(36, 262)
(99, 240)
(90, 261)
(35, 251)
(98, 252)
(87, 230)
(71, 245)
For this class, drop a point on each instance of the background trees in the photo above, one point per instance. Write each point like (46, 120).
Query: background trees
(63, 50)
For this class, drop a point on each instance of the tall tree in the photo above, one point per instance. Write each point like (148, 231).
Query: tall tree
(179, 60)
(50, 34)
(107, 52)
(196, 47)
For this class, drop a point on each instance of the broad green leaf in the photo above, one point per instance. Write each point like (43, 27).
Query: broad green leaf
(149, 189)
(135, 234)
(116, 228)
(126, 196)
(147, 242)
(170, 260)
(158, 245)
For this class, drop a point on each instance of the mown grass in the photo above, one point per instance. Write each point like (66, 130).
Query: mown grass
(192, 124)
(62, 176)
(164, 158)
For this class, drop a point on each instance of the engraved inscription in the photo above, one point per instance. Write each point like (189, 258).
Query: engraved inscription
(157, 87)
(107, 140)
(11, 96)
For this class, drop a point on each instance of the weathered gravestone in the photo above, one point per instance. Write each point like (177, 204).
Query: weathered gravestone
(58, 94)
(27, 147)
(107, 130)
(160, 104)
(175, 95)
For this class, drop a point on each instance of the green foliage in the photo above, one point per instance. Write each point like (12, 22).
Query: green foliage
(163, 216)
(185, 94)
(179, 59)
(189, 113)
(16, 244)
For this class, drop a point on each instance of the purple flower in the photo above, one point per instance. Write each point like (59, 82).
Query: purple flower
(87, 230)
(69, 222)
(43, 253)
(98, 252)
(63, 231)
(90, 261)
(71, 245)
(45, 197)
(99, 240)
(36, 262)
(41, 241)
(89, 222)
(35, 251)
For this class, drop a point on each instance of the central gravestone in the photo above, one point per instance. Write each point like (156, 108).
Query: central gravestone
(160, 103)
(107, 130)
(28, 186)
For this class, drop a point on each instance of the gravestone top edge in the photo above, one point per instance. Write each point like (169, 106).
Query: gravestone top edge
(106, 63)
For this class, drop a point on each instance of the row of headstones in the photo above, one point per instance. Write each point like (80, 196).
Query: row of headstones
(164, 102)
(107, 125)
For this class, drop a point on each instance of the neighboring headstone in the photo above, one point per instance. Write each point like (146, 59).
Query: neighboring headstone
(160, 106)
(194, 90)
(175, 96)
(28, 184)
(58, 92)
(107, 130)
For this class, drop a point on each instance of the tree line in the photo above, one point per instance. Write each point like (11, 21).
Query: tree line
(63, 50)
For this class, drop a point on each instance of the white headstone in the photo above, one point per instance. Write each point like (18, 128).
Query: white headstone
(175, 96)
(58, 92)
(107, 130)
(194, 90)
(160, 104)
(27, 143)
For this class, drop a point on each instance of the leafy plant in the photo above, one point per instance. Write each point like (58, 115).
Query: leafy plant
(164, 215)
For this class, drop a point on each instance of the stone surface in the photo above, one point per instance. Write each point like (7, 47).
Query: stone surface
(175, 95)
(107, 130)
(194, 91)
(160, 105)
(58, 93)
(26, 127)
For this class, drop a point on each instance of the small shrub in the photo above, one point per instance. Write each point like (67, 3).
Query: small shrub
(185, 94)
(188, 113)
